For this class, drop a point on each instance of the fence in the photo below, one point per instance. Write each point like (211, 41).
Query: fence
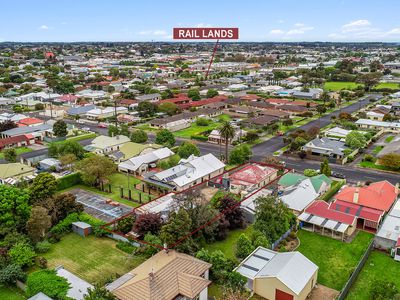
(283, 236)
(355, 273)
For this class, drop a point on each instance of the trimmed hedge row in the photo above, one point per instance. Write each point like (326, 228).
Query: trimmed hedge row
(69, 181)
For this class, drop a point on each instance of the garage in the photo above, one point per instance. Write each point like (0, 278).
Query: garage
(281, 295)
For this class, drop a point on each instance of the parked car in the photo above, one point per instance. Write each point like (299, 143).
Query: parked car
(338, 175)
(102, 125)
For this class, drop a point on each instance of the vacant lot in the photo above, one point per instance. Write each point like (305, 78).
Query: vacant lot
(91, 258)
(387, 85)
(342, 85)
(335, 259)
(19, 151)
(195, 129)
(379, 266)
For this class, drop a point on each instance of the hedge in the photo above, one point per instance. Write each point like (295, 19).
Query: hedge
(64, 226)
(69, 181)
(336, 185)
(199, 137)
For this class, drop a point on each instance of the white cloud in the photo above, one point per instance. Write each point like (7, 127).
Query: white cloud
(394, 31)
(281, 21)
(202, 25)
(300, 28)
(43, 27)
(157, 32)
(358, 25)
(276, 32)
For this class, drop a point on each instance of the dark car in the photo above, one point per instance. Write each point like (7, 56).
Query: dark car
(338, 175)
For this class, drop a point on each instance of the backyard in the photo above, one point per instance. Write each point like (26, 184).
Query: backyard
(335, 259)
(387, 85)
(19, 151)
(340, 85)
(91, 258)
(377, 264)
(11, 293)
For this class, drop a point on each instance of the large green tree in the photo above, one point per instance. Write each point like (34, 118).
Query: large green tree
(146, 109)
(38, 224)
(43, 186)
(95, 169)
(139, 136)
(10, 155)
(187, 148)
(240, 154)
(355, 139)
(166, 138)
(60, 128)
(194, 94)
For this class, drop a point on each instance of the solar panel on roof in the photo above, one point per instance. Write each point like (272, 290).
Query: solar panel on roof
(358, 211)
(261, 257)
(250, 267)
(324, 222)
(337, 225)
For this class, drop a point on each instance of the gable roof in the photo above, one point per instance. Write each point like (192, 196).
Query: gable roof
(165, 275)
(293, 269)
(318, 180)
(290, 179)
(378, 195)
(251, 174)
(134, 163)
(299, 196)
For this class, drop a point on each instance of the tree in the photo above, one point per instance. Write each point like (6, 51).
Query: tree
(187, 148)
(95, 169)
(391, 160)
(7, 125)
(113, 130)
(10, 155)
(212, 93)
(243, 246)
(151, 239)
(14, 208)
(98, 292)
(67, 147)
(60, 128)
(312, 132)
(169, 108)
(273, 160)
(355, 139)
(47, 282)
(202, 122)
(310, 172)
(165, 137)
(126, 224)
(64, 87)
(43, 186)
(369, 79)
(240, 154)
(227, 132)
(60, 206)
(321, 109)
(39, 106)
(325, 168)
(38, 224)
(273, 217)
(22, 254)
(67, 160)
(139, 136)
(325, 97)
(259, 240)
(147, 223)
(232, 211)
(194, 94)
(146, 109)
(10, 273)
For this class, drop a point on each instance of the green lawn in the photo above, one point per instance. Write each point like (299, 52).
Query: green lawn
(82, 137)
(228, 246)
(387, 85)
(19, 151)
(377, 149)
(11, 293)
(340, 85)
(379, 266)
(335, 259)
(389, 138)
(195, 129)
(91, 258)
(372, 165)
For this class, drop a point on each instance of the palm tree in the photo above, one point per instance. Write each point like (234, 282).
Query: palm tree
(227, 132)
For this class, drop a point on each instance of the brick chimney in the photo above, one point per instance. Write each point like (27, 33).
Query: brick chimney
(356, 194)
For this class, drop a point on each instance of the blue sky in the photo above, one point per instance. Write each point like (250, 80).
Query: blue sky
(129, 20)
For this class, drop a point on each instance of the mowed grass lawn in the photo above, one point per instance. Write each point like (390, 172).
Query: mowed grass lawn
(379, 266)
(228, 246)
(11, 293)
(335, 259)
(93, 259)
(387, 85)
(19, 151)
(195, 129)
(340, 85)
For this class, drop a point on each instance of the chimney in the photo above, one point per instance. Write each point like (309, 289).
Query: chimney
(356, 194)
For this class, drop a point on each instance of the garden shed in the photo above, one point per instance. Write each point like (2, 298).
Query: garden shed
(81, 228)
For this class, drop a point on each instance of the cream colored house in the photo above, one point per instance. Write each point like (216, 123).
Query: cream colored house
(279, 276)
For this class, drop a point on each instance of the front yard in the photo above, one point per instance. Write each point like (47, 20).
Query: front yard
(336, 260)
(19, 151)
(378, 264)
(91, 258)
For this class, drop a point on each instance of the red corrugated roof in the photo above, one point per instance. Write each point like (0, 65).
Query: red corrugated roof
(13, 140)
(30, 121)
(204, 102)
(379, 195)
(252, 174)
(321, 209)
(357, 210)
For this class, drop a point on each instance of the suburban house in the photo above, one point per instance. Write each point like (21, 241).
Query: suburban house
(167, 275)
(298, 196)
(107, 112)
(388, 235)
(77, 111)
(11, 173)
(215, 136)
(325, 147)
(39, 132)
(321, 218)
(337, 133)
(30, 122)
(279, 276)
(173, 123)
(378, 125)
(260, 121)
(149, 97)
(131, 149)
(368, 203)
(321, 182)
(17, 141)
(187, 173)
(106, 144)
(251, 177)
(248, 204)
(140, 164)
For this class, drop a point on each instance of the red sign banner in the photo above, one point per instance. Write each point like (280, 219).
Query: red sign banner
(206, 33)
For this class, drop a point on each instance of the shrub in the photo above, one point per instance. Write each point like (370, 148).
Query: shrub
(126, 247)
(202, 122)
(11, 273)
(47, 282)
(43, 247)
(310, 172)
(69, 181)
(350, 158)
(368, 157)
(22, 254)
(125, 225)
